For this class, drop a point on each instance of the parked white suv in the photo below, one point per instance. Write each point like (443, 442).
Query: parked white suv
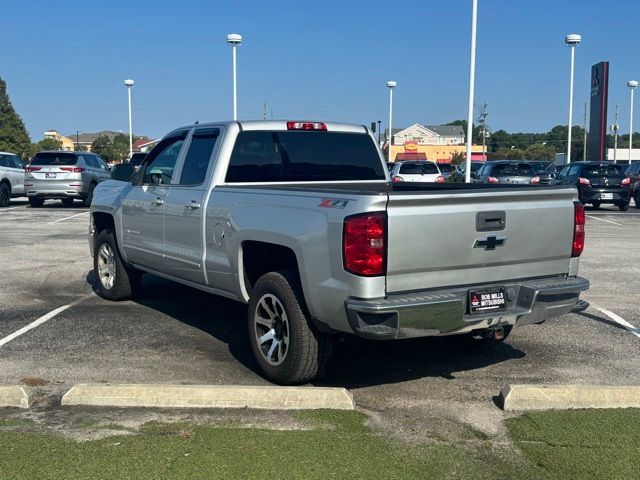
(11, 177)
(416, 171)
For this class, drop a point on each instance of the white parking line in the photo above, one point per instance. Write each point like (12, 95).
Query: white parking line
(67, 218)
(41, 320)
(608, 221)
(10, 208)
(619, 320)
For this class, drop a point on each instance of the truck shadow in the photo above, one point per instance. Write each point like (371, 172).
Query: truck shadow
(356, 362)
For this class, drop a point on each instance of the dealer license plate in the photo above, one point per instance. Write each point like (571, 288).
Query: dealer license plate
(488, 300)
(49, 175)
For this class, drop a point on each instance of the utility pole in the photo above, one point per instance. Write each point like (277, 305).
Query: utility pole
(584, 127)
(264, 111)
(615, 127)
(483, 122)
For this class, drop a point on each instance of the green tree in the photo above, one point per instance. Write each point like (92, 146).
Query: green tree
(457, 158)
(101, 146)
(540, 151)
(119, 148)
(13, 134)
(48, 144)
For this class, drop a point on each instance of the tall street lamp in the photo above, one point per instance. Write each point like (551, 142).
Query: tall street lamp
(632, 84)
(572, 40)
(391, 85)
(129, 83)
(234, 40)
(472, 80)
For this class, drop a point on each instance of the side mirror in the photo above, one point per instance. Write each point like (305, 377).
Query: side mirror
(123, 172)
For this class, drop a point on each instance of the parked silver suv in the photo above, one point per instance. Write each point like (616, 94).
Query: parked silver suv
(11, 177)
(64, 175)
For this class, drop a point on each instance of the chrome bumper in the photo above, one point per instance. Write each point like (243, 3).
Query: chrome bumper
(445, 312)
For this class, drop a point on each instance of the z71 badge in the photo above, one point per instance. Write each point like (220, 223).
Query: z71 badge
(333, 203)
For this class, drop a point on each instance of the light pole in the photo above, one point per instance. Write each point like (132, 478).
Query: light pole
(391, 85)
(129, 83)
(234, 40)
(472, 80)
(572, 40)
(632, 84)
(379, 125)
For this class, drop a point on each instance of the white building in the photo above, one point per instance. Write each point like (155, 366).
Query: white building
(623, 154)
(430, 135)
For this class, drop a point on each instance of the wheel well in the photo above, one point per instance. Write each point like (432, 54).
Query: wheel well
(102, 221)
(259, 258)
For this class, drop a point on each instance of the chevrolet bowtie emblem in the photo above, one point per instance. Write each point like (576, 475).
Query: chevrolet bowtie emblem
(490, 243)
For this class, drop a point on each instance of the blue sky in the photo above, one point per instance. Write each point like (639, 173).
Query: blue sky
(64, 62)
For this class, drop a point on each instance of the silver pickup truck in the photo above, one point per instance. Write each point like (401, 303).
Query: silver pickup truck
(300, 220)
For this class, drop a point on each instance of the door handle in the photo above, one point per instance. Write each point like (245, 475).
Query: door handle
(192, 205)
(158, 202)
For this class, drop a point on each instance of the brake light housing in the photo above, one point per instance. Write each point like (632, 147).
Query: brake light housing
(493, 180)
(307, 126)
(72, 169)
(625, 182)
(32, 169)
(439, 179)
(584, 181)
(578, 229)
(535, 180)
(397, 178)
(364, 242)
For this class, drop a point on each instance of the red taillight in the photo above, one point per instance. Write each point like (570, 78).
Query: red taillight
(72, 169)
(397, 179)
(440, 179)
(578, 230)
(493, 180)
(584, 181)
(626, 181)
(535, 180)
(32, 169)
(306, 126)
(363, 244)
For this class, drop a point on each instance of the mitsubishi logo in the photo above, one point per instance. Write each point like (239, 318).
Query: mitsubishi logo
(490, 243)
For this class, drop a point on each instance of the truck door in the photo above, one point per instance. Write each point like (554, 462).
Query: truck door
(185, 208)
(143, 206)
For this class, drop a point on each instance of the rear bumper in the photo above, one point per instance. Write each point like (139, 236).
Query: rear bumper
(590, 195)
(73, 189)
(444, 312)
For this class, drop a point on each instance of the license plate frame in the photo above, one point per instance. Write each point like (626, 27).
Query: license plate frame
(50, 175)
(606, 196)
(487, 300)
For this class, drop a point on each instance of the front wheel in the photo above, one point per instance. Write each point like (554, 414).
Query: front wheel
(5, 194)
(67, 202)
(596, 204)
(36, 202)
(116, 280)
(288, 347)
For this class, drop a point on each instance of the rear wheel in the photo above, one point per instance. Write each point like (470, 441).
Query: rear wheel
(596, 204)
(67, 202)
(116, 279)
(288, 347)
(36, 202)
(89, 197)
(636, 198)
(623, 206)
(5, 194)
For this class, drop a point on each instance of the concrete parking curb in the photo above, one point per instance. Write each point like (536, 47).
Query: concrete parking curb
(563, 397)
(210, 396)
(15, 396)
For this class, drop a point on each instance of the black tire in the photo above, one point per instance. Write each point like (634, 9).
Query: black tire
(87, 200)
(623, 206)
(596, 204)
(126, 280)
(488, 337)
(67, 202)
(36, 202)
(636, 198)
(5, 194)
(308, 351)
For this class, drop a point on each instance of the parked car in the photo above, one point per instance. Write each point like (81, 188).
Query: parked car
(11, 177)
(458, 175)
(446, 169)
(633, 172)
(416, 171)
(64, 175)
(300, 221)
(507, 171)
(546, 171)
(597, 183)
(136, 158)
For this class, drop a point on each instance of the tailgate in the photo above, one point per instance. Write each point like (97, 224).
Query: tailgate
(440, 240)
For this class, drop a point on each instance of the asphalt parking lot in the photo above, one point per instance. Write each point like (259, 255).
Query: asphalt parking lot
(175, 334)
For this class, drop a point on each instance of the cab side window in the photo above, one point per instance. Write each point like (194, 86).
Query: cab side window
(196, 162)
(161, 161)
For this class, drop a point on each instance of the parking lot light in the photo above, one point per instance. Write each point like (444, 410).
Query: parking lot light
(234, 40)
(472, 80)
(391, 85)
(129, 83)
(572, 40)
(632, 84)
